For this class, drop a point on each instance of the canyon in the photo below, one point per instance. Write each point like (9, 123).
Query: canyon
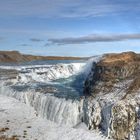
(102, 93)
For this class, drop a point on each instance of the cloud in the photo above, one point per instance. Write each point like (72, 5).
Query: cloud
(36, 40)
(24, 45)
(93, 38)
(66, 8)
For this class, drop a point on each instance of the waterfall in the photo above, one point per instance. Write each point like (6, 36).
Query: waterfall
(67, 111)
(89, 64)
(45, 73)
(59, 110)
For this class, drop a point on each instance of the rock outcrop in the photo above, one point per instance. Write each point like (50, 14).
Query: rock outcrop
(114, 84)
(113, 69)
(123, 119)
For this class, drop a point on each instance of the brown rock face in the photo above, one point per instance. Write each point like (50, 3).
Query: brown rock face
(122, 65)
(115, 68)
(114, 82)
(13, 56)
(123, 120)
(122, 57)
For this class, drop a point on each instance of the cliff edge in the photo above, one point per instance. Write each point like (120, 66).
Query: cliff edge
(113, 92)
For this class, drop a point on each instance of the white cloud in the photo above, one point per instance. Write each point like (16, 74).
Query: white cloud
(94, 38)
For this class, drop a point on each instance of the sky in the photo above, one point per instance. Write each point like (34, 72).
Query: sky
(70, 27)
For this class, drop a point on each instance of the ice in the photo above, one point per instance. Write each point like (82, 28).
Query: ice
(22, 121)
(50, 106)
(50, 116)
(59, 110)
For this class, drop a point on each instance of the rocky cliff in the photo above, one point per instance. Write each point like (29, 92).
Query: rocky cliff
(112, 92)
(111, 100)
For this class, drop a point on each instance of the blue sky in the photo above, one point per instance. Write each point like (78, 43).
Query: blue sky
(70, 27)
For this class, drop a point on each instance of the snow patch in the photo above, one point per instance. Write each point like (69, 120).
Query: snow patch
(22, 121)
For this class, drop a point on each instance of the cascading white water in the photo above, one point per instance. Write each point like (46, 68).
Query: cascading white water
(89, 64)
(47, 105)
(59, 110)
(45, 73)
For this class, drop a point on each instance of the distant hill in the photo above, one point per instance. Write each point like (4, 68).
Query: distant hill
(17, 57)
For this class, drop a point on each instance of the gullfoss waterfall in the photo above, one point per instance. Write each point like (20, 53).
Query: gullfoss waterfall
(54, 91)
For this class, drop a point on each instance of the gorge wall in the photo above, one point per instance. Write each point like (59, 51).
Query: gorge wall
(112, 96)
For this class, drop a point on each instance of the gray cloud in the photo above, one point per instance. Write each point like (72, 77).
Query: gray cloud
(66, 8)
(36, 40)
(93, 38)
(24, 45)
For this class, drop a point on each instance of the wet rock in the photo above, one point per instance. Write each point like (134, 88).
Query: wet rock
(92, 115)
(123, 119)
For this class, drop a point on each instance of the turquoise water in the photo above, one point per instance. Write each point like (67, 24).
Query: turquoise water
(69, 88)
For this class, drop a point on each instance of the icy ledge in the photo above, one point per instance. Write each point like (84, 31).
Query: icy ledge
(58, 110)
(20, 121)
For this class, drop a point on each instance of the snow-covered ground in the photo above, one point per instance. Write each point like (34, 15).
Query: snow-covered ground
(20, 120)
